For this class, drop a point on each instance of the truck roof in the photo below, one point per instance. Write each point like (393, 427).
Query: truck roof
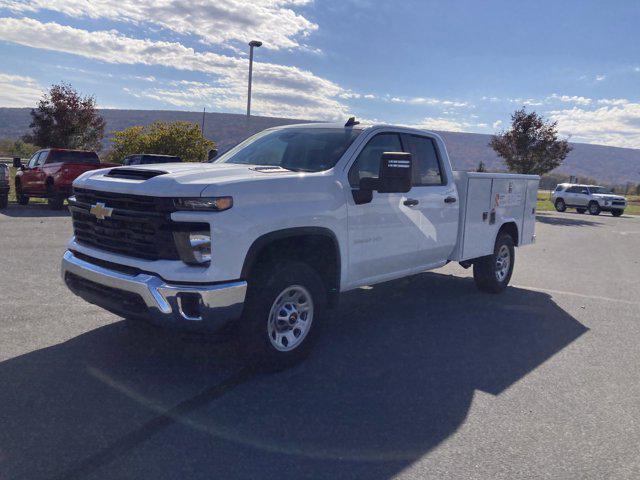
(360, 126)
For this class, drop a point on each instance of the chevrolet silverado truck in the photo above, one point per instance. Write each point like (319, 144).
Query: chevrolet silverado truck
(263, 240)
(50, 174)
(591, 198)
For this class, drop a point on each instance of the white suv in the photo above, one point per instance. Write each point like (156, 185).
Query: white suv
(593, 198)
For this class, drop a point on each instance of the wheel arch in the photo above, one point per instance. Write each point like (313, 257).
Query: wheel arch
(510, 227)
(316, 246)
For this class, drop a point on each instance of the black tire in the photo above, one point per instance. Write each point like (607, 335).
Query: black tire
(21, 197)
(54, 200)
(594, 208)
(4, 201)
(581, 210)
(617, 213)
(265, 288)
(560, 205)
(485, 269)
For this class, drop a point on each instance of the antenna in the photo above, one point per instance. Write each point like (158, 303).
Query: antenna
(351, 122)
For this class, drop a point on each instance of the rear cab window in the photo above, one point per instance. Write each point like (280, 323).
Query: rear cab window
(61, 156)
(427, 170)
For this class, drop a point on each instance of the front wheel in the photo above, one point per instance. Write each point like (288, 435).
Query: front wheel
(282, 314)
(493, 272)
(560, 205)
(594, 208)
(21, 197)
(617, 213)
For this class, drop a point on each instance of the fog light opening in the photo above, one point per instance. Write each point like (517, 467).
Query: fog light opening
(190, 306)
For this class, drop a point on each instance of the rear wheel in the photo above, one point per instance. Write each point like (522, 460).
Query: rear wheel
(4, 201)
(560, 205)
(617, 213)
(581, 210)
(493, 272)
(594, 208)
(281, 316)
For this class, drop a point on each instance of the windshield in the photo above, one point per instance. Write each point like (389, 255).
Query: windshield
(599, 190)
(298, 149)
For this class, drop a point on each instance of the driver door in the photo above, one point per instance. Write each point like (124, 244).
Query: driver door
(29, 177)
(383, 233)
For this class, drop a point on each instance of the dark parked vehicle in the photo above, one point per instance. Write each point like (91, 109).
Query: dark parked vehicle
(50, 173)
(145, 159)
(4, 185)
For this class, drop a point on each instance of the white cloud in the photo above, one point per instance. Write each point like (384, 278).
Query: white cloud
(573, 99)
(18, 91)
(532, 102)
(613, 101)
(278, 89)
(600, 78)
(446, 124)
(429, 101)
(617, 125)
(497, 124)
(213, 21)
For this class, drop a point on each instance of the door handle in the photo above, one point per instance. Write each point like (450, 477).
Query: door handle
(450, 200)
(411, 202)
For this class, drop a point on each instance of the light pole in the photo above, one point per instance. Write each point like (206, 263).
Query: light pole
(252, 43)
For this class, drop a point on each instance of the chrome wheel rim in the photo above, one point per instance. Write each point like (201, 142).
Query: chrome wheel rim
(503, 263)
(290, 318)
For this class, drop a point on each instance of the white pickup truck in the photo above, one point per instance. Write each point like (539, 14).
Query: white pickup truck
(264, 239)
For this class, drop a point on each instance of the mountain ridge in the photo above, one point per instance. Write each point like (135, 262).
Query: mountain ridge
(612, 165)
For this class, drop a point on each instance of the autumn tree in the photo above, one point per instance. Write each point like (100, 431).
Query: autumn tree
(531, 145)
(183, 139)
(65, 119)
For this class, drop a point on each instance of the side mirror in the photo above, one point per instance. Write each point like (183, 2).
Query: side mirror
(396, 172)
(213, 153)
(17, 163)
(394, 176)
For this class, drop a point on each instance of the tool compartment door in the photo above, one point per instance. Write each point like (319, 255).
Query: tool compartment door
(477, 237)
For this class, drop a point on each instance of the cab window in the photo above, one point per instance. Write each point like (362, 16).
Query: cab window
(367, 165)
(426, 165)
(33, 160)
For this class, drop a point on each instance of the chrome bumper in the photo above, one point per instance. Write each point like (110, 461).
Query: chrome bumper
(209, 306)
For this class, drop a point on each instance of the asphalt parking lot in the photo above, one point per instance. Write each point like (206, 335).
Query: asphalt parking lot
(419, 378)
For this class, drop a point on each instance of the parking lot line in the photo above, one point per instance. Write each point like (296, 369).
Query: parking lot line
(576, 294)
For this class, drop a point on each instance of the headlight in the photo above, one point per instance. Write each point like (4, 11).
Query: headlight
(216, 204)
(194, 248)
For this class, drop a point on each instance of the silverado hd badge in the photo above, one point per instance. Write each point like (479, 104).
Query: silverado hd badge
(101, 211)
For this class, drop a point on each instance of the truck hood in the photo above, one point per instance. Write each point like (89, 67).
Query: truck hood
(175, 179)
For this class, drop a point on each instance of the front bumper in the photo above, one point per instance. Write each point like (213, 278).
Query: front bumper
(144, 295)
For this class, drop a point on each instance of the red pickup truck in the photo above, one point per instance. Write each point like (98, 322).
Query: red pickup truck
(50, 173)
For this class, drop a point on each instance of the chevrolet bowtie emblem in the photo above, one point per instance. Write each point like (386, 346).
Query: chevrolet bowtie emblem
(100, 211)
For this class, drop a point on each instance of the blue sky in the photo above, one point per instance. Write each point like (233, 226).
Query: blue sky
(444, 65)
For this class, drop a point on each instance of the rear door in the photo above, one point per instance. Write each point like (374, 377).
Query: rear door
(437, 201)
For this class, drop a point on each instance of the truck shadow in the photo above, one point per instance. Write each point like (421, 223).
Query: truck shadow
(566, 221)
(392, 377)
(33, 210)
